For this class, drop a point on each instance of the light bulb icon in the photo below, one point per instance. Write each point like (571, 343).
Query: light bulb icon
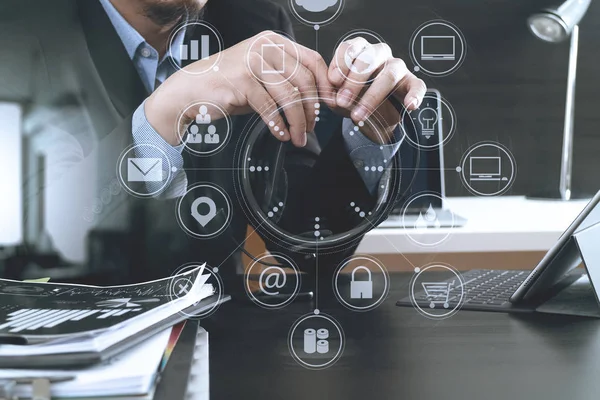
(428, 118)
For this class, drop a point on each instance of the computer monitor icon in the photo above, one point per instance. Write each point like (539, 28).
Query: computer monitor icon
(485, 168)
(438, 48)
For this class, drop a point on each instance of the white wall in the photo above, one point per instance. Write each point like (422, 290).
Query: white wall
(11, 203)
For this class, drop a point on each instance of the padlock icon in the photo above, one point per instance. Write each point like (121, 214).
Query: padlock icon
(361, 289)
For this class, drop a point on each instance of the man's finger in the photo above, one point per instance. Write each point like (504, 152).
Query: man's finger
(413, 90)
(310, 60)
(385, 83)
(361, 72)
(339, 69)
(263, 104)
(290, 100)
(298, 75)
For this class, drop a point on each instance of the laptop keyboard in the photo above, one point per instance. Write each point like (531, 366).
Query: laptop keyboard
(482, 287)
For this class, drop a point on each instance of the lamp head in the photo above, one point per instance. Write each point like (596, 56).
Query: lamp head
(555, 24)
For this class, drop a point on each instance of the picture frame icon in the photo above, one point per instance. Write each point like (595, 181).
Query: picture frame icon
(144, 169)
(272, 51)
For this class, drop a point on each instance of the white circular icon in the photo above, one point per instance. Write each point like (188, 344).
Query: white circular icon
(316, 341)
(437, 48)
(208, 130)
(437, 291)
(488, 169)
(279, 56)
(360, 62)
(272, 281)
(204, 211)
(361, 283)
(182, 282)
(427, 219)
(144, 170)
(204, 41)
(316, 13)
(432, 125)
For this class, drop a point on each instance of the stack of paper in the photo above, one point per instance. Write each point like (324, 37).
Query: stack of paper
(131, 373)
(51, 325)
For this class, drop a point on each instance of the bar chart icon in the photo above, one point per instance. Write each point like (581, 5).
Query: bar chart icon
(196, 50)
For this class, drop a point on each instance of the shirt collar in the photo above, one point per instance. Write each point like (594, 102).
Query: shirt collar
(131, 38)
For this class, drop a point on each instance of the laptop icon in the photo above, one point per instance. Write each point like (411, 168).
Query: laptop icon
(485, 168)
(438, 48)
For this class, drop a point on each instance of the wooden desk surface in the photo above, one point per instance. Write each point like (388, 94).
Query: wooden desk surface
(395, 353)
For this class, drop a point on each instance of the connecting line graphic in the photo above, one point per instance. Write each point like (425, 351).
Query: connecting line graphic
(423, 169)
(212, 169)
(390, 242)
(241, 244)
(316, 273)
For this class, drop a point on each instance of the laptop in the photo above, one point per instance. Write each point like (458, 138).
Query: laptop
(526, 291)
(423, 203)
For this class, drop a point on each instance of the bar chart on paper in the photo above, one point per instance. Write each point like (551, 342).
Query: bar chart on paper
(33, 319)
(196, 49)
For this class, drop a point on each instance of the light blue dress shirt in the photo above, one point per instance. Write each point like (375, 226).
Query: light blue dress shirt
(368, 157)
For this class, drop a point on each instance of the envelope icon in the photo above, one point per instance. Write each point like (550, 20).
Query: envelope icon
(144, 170)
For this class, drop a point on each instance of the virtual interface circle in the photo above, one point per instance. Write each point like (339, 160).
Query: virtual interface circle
(427, 219)
(272, 281)
(438, 48)
(488, 169)
(280, 58)
(204, 211)
(356, 63)
(205, 45)
(437, 291)
(316, 341)
(361, 283)
(431, 125)
(262, 181)
(316, 13)
(144, 170)
(204, 128)
(190, 278)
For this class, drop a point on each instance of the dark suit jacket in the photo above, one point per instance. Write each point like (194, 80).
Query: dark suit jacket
(63, 60)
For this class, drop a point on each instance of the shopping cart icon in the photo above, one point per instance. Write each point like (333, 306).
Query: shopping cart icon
(438, 293)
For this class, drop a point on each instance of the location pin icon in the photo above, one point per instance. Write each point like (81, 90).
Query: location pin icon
(212, 210)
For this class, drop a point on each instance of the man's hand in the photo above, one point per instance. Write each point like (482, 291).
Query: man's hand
(240, 86)
(364, 86)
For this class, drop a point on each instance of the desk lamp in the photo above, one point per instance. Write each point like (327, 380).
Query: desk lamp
(554, 25)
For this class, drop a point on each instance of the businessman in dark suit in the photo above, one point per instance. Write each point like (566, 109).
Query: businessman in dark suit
(96, 76)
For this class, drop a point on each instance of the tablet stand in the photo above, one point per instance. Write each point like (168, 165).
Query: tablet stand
(588, 244)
